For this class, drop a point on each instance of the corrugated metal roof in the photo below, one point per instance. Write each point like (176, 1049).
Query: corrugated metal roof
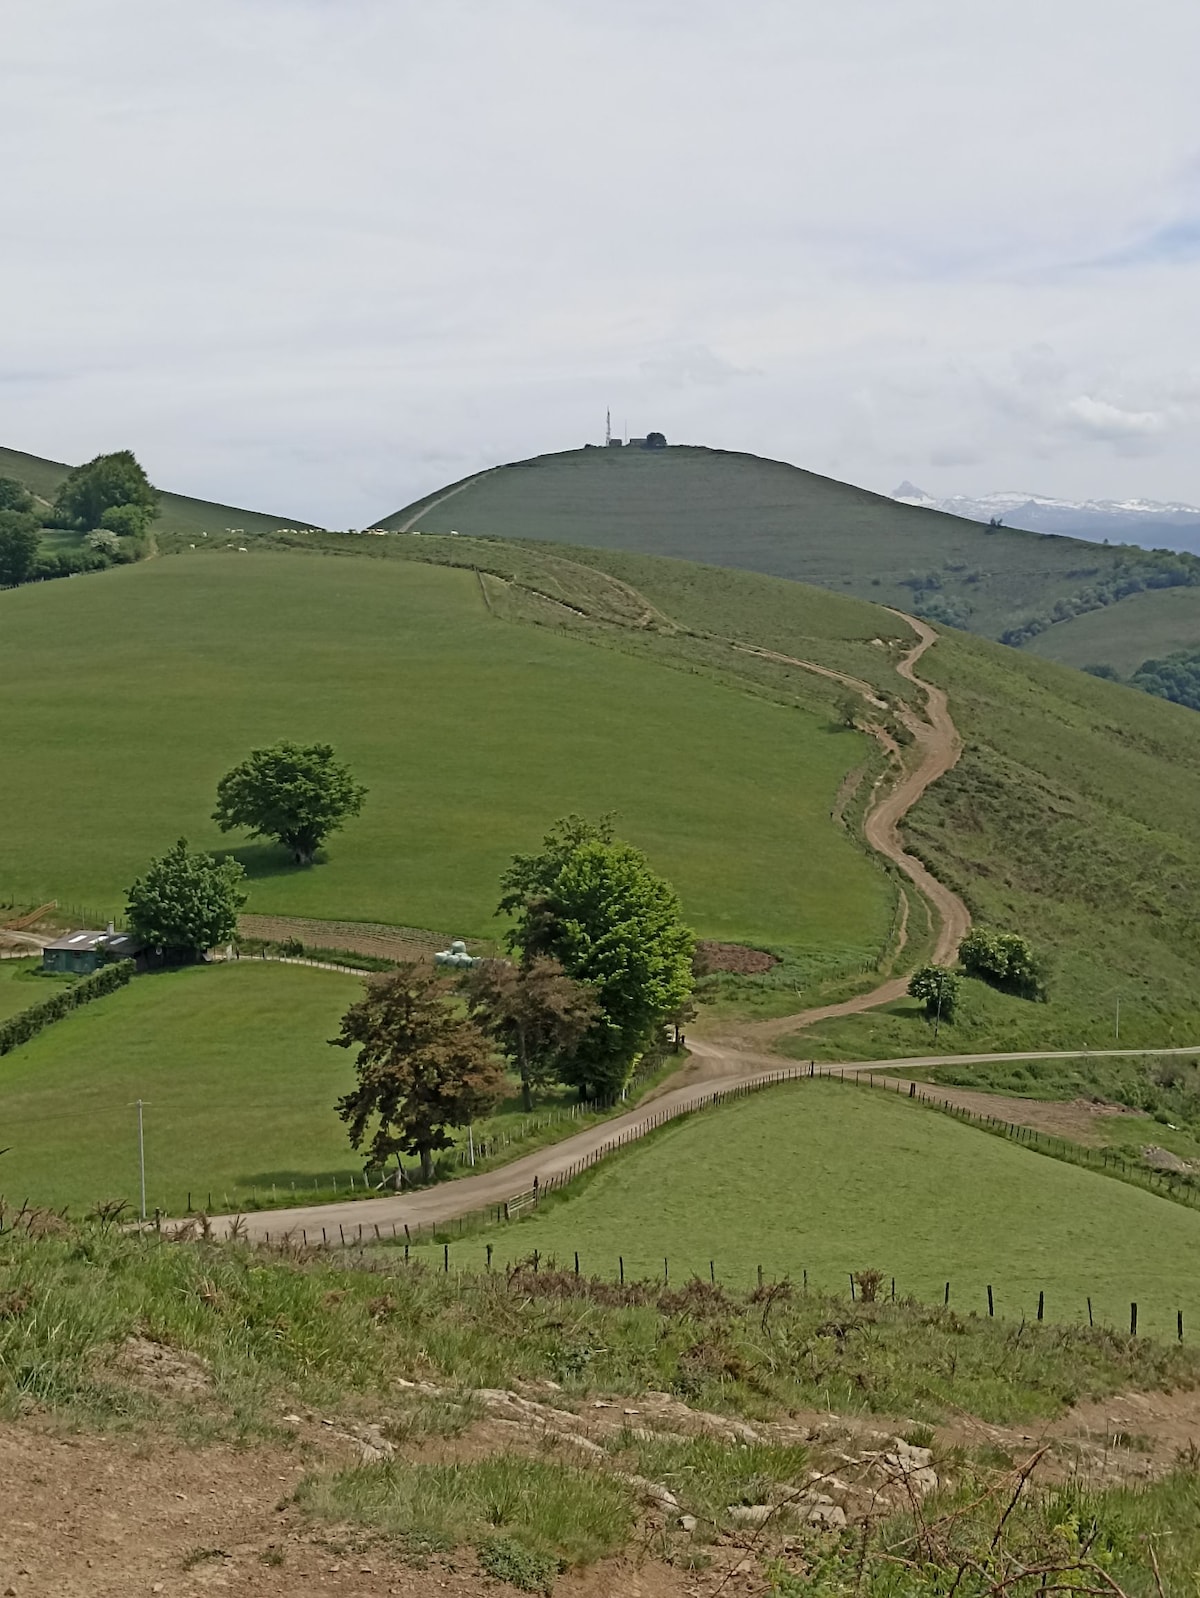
(79, 942)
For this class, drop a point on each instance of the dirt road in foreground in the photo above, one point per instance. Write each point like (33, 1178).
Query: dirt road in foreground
(714, 1069)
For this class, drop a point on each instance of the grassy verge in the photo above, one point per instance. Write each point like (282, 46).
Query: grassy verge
(267, 1331)
(995, 1534)
(527, 1518)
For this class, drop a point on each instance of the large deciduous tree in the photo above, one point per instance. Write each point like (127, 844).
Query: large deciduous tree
(186, 903)
(423, 1066)
(536, 1013)
(593, 904)
(297, 794)
(109, 480)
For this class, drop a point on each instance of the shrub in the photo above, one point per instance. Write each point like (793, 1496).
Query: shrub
(20, 1028)
(1005, 960)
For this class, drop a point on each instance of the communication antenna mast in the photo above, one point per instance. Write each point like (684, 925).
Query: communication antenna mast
(607, 428)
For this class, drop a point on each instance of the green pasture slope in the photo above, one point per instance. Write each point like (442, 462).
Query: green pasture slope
(1143, 627)
(830, 1178)
(181, 515)
(730, 509)
(125, 695)
(236, 1071)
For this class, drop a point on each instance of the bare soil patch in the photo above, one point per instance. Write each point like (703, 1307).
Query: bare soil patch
(1073, 1119)
(712, 957)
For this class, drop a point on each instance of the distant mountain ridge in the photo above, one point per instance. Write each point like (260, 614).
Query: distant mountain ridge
(1156, 523)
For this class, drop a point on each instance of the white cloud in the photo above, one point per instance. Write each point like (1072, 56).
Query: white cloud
(1099, 419)
(321, 256)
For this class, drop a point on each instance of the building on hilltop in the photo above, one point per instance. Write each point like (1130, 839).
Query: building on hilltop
(80, 953)
(651, 440)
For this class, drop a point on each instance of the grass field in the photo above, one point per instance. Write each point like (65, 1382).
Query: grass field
(240, 1081)
(131, 692)
(729, 509)
(236, 1072)
(1143, 627)
(21, 985)
(833, 1179)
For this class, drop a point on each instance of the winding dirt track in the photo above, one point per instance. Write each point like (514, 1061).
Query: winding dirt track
(937, 741)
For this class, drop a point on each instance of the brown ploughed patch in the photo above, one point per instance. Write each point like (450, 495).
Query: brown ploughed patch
(736, 957)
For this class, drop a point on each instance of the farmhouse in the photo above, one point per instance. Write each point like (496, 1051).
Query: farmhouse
(80, 953)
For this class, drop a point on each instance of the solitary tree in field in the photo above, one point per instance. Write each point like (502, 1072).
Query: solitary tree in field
(109, 480)
(938, 988)
(296, 794)
(186, 903)
(593, 904)
(422, 1066)
(536, 1014)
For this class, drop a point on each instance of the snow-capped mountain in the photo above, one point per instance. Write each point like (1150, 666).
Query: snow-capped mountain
(1149, 522)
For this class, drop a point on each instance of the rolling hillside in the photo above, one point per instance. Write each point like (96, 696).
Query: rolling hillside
(472, 735)
(181, 516)
(728, 509)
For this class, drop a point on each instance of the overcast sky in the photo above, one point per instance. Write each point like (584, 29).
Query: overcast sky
(319, 256)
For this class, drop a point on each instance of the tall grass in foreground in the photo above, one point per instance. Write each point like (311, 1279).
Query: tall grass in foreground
(268, 1332)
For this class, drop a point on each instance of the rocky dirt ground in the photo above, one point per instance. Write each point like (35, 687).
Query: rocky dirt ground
(109, 1516)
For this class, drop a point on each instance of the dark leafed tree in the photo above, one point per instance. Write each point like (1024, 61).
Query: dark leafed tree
(109, 480)
(593, 904)
(297, 794)
(19, 540)
(536, 1014)
(14, 495)
(423, 1066)
(186, 903)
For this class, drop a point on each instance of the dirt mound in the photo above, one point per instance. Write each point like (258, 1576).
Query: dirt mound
(712, 957)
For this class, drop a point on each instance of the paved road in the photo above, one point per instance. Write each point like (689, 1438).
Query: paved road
(713, 1069)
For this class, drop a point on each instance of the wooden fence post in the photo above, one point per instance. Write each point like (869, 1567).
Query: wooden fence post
(1133, 1320)
(1091, 1322)
(991, 1306)
(621, 1267)
(1041, 1305)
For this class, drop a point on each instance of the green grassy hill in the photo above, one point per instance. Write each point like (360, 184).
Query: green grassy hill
(126, 695)
(181, 516)
(729, 509)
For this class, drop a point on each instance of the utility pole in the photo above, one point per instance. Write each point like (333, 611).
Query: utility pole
(607, 428)
(141, 1158)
